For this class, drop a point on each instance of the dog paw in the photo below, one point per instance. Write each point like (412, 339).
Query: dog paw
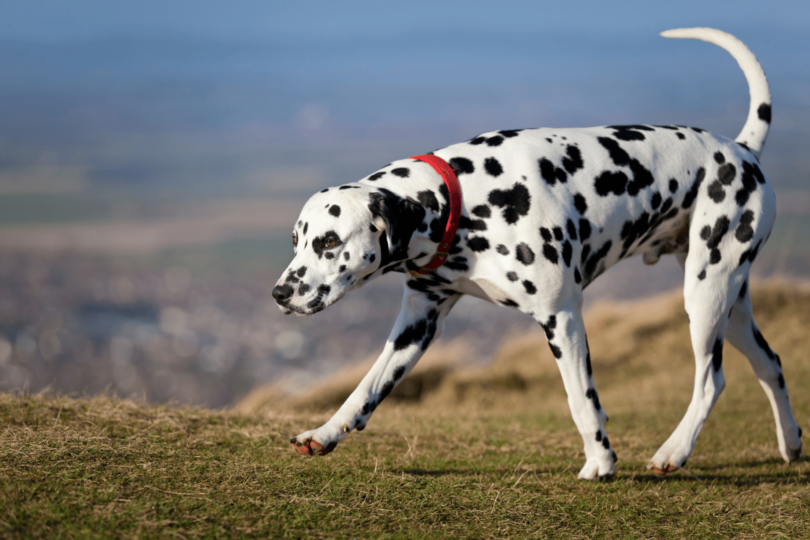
(792, 454)
(597, 470)
(662, 471)
(316, 442)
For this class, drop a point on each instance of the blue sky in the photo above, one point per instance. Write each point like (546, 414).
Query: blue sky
(161, 93)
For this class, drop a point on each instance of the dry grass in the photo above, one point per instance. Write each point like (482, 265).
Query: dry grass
(488, 453)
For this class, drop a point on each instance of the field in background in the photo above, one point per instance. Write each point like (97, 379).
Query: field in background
(487, 452)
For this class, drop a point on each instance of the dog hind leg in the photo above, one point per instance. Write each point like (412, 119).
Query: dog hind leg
(745, 336)
(708, 297)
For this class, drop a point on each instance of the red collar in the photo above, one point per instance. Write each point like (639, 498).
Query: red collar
(451, 181)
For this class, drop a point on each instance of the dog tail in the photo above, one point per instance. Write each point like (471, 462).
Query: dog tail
(755, 130)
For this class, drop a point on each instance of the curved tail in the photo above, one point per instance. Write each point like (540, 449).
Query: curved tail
(755, 130)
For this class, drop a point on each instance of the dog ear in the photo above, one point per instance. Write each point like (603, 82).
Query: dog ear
(398, 217)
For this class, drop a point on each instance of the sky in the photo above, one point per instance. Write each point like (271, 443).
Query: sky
(240, 98)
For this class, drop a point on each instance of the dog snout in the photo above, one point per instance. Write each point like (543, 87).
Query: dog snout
(283, 293)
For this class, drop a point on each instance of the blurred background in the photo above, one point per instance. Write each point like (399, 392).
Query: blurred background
(154, 156)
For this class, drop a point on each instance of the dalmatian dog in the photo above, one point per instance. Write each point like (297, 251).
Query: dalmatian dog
(543, 213)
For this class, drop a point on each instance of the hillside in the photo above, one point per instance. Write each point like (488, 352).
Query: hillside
(486, 452)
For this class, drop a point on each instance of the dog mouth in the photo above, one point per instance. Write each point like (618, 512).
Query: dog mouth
(315, 305)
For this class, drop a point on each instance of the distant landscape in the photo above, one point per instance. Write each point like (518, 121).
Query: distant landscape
(151, 169)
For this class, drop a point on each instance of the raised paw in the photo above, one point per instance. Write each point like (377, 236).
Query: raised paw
(309, 447)
(662, 471)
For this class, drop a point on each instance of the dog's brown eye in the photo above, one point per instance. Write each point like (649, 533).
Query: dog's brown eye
(295, 240)
(330, 243)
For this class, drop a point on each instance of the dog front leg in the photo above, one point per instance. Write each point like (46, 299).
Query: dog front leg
(565, 331)
(420, 322)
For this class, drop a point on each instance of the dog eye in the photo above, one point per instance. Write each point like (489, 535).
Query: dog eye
(295, 240)
(330, 243)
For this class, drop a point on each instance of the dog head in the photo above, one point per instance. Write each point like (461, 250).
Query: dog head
(341, 238)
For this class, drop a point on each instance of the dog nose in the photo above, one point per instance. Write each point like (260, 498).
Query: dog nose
(282, 293)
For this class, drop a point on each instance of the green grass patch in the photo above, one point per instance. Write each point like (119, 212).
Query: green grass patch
(106, 468)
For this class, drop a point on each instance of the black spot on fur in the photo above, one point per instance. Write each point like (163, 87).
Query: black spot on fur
(717, 355)
(781, 381)
(750, 254)
(655, 202)
(673, 185)
(702, 275)
(549, 326)
(319, 244)
(573, 160)
(572, 229)
(511, 276)
(567, 252)
(509, 303)
(375, 176)
(477, 140)
(550, 173)
(726, 173)
(495, 141)
(593, 396)
(764, 112)
(481, 211)
(493, 167)
(556, 351)
(719, 157)
(693, 191)
(580, 203)
(420, 332)
(750, 176)
(324, 190)
(550, 253)
(478, 244)
(303, 289)
(642, 177)
(342, 268)
(577, 276)
(502, 249)
(558, 233)
(745, 232)
(716, 192)
(509, 133)
(461, 165)
(335, 210)
(472, 224)
(717, 233)
(529, 286)
(762, 343)
(515, 202)
(524, 254)
(402, 172)
(301, 271)
(545, 234)
(592, 267)
(611, 182)
(372, 257)
(428, 199)
(743, 290)
(584, 229)
(680, 135)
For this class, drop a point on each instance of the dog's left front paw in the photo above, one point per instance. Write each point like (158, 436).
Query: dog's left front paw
(316, 442)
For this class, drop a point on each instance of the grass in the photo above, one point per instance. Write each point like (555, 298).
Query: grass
(482, 456)
(104, 467)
